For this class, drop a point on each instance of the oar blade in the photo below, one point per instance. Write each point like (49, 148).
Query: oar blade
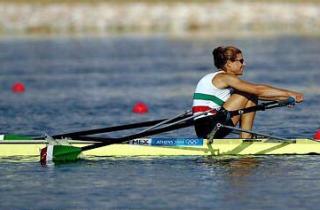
(59, 154)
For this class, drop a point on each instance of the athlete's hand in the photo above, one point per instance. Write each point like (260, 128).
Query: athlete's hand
(298, 96)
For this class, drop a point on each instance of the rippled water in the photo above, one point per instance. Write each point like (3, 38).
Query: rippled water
(74, 84)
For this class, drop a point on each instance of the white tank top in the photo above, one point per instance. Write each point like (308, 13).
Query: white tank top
(207, 96)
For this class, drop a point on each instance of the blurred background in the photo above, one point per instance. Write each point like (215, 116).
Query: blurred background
(171, 17)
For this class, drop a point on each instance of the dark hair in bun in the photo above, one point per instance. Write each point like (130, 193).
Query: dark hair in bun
(222, 54)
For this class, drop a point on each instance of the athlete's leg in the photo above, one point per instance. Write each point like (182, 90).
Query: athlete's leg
(246, 121)
(237, 101)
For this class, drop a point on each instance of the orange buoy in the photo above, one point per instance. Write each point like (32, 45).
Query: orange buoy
(18, 87)
(140, 108)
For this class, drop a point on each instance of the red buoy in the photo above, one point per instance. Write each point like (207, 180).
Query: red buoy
(18, 87)
(140, 108)
(316, 135)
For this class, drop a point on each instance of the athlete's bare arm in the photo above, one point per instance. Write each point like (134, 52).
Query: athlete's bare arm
(264, 92)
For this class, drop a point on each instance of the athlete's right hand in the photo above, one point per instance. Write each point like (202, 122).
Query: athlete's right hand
(298, 96)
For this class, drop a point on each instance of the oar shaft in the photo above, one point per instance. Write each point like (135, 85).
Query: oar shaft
(175, 118)
(154, 123)
(110, 129)
(263, 106)
(108, 141)
(178, 122)
(260, 107)
(105, 130)
(255, 133)
(172, 126)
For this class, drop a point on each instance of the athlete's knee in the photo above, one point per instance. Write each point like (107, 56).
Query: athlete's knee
(247, 96)
(253, 99)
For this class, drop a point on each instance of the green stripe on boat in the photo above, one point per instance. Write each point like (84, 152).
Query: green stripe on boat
(8, 137)
(214, 99)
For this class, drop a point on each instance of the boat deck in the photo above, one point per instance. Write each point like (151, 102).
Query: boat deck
(174, 147)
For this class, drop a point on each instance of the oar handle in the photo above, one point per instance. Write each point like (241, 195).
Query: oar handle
(263, 106)
(291, 101)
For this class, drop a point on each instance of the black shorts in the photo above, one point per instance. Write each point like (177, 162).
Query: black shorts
(205, 125)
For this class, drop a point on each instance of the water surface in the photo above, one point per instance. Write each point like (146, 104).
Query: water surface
(74, 84)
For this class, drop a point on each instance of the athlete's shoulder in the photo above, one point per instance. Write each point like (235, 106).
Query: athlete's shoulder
(223, 76)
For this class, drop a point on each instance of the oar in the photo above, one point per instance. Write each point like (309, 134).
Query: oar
(263, 106)
(260, 107)
(66, 153)
(62, 153)
(84, 132)
(219, 125)
(125, 127)
(97, 130)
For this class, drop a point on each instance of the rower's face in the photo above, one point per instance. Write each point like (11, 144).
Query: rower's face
(236, 67)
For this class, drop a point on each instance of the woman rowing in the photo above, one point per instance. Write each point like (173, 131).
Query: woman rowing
(223, 91)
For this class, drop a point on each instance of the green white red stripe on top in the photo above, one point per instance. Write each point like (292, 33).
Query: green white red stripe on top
(207, 96)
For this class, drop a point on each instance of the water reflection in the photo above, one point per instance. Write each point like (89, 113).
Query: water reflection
(236, 169)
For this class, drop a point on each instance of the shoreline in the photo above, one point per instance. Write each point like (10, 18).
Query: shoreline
(170, 19)
(186, 36)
